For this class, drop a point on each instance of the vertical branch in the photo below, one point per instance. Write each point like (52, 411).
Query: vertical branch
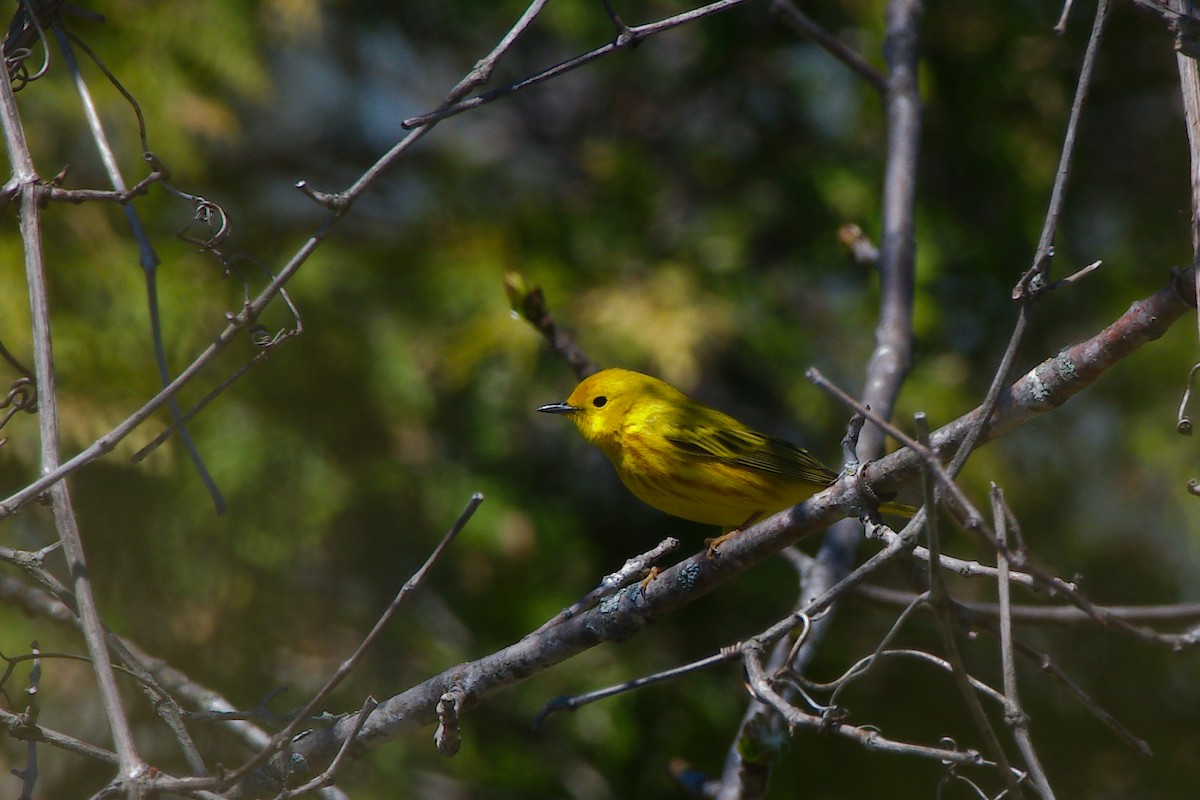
(29, 774)
(1189, 85)
(885, 372)
(893, 335)
(1014, 714)
(25, 176)
(892, 356)
(940, 602)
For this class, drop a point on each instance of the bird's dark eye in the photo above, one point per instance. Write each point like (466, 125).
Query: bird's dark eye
(599, 402)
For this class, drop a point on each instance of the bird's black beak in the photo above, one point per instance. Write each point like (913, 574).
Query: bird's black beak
(558, 408)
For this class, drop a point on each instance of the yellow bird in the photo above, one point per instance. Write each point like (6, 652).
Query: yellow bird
(687, 459)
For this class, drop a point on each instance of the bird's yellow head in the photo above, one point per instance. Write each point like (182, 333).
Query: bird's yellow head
(602, 403)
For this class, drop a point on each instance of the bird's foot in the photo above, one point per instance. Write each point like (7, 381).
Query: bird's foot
(651, 574)
(716, 541)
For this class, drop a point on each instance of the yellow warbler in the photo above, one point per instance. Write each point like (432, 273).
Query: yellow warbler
(687, 459)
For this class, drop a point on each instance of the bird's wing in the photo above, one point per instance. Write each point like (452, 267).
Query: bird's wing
(744, 447)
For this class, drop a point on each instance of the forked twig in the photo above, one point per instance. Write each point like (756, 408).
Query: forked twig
(630, 38)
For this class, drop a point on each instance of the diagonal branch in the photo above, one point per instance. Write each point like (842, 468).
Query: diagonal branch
(629, 38)
(1035, 280)
(1056, 380)
(804, 25)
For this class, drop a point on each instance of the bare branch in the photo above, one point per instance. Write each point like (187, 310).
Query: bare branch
(1036, 279)
(630, 38)
(1014, 714)
(1041, 615)
(327, 777)
(804, 25)
(1055, 380)
(529, 301)
(865, 736)
(885, 372)
(346, 667)
(64, 515)
(110, 196)
(29, 774)
(940, 601)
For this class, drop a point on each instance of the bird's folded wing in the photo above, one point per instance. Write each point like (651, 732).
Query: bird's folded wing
(751, 449)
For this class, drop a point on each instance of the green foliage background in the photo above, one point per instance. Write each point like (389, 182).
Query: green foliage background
(679, 204)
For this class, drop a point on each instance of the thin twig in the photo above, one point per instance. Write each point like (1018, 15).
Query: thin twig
(29, 774)
(328, 775)
(861, 668)
(529, 302)
(1035, 281)
(804, 25)
(615, 19)
(580, 700)
(1014, 714)
(120, 87)
(635, 35)
(1047, 666)
(15, 726)
(200, 405)
(974, 569)
(1039, 615)
(866, 736)
(76, 196)
(148, 257)
(728, 653)
(347, 666)
(1060, 27)
(864, 666)
(940, 600)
